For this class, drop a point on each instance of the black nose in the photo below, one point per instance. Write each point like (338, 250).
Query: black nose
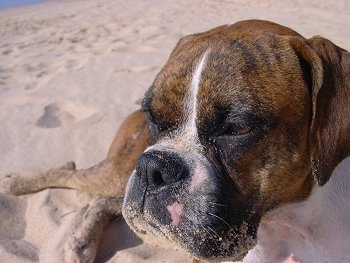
(158, 169)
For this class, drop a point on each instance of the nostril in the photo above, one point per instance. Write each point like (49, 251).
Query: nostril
(157, 178)
(157, 169)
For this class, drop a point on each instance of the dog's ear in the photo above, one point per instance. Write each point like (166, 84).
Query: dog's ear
(326, 69)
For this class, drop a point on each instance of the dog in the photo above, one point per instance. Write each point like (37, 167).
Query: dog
(239, 152)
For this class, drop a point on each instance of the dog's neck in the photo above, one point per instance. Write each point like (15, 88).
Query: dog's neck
(315, 230)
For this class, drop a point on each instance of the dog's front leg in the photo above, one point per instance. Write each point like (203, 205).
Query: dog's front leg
(106, 180)
(25, 183)
(83, 244)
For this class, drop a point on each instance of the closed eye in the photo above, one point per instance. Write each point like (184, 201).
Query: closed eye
(240, 130)
(236, 130)
(155, 127)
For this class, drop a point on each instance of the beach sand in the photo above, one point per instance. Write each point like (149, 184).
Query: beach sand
(70, 71)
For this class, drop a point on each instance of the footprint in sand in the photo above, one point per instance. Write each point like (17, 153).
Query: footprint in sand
(13, 230)
(31, 86)
(53, 117)
(137, 69)
(42, 73)
(63, 113)
(73, 64)
(7, 49)
(5, 73)
(7, 52)
(34, 67)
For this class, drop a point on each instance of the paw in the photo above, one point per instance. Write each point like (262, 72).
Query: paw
(8, 184)
(27, 182)
(80, 250)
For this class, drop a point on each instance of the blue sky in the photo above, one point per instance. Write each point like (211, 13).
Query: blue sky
(13, 3)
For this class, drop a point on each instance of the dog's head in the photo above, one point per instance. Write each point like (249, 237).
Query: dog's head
(231, 115)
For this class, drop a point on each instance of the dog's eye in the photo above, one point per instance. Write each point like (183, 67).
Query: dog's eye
(155, 127)
(232, 130)
(161, 127)
(234, 135)
(236, 129)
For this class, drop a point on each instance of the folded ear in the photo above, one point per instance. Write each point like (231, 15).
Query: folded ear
(326, 68)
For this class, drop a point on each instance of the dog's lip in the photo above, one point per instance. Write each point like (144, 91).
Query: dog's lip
(146, 226)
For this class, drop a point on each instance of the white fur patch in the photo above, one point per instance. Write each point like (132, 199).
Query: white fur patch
(316, 230)
(190, 128)
(185, 138)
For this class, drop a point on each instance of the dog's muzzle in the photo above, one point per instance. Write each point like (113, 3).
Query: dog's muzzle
(183, 198)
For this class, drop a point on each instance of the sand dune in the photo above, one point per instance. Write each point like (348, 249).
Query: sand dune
(70, 71)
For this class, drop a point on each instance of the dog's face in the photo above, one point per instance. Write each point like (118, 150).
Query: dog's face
(230, 115)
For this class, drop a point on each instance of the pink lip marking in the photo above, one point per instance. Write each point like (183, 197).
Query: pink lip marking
(175, 211)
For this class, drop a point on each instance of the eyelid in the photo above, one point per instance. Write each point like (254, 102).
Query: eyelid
(241, 118)
(247, 122)
(152, 123)
(237, 129)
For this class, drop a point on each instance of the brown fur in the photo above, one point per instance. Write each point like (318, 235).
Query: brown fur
(243, 55)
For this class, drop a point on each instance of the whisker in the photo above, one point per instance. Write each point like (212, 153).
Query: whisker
(212, 230)
(198, 225)
(217, 204)
(218, 217)
(210, 234)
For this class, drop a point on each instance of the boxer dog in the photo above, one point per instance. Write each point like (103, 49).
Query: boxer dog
(239, 152)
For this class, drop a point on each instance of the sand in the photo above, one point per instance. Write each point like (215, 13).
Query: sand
(70, 71)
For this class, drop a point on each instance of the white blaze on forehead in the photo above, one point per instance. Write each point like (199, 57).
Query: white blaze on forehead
(186, 137)
(190, 128)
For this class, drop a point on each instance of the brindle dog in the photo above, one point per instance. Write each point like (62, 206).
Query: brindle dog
(239, 122)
